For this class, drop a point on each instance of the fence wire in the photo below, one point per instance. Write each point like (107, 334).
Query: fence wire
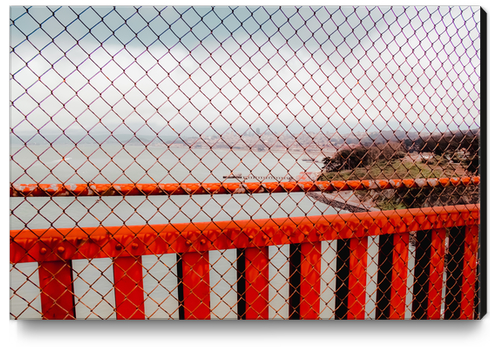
(153, 119)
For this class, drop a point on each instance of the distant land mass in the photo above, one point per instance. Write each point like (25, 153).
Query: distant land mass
(256, 140)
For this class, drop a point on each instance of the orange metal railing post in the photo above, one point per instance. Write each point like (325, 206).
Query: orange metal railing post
(195, 282)
(356, 300)
(454, 273)
(309, 307)
(399, 274)
(56, 284)
(257, 283)
(128, 288)
(469, 272)
(304, 281)
(436, 273)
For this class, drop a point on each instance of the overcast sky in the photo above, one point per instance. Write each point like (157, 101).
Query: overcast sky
(178, 69)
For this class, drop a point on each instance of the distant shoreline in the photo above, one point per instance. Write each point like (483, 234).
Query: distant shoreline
(315, 151)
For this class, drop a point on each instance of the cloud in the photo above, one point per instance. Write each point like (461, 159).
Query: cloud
(345, 69)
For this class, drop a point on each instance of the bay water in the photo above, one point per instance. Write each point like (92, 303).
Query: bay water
(114, 163)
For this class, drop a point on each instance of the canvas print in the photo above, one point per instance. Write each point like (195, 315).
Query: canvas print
(245, 163)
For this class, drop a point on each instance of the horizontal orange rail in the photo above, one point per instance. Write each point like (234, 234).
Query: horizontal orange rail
(122, 241)
(92, 189)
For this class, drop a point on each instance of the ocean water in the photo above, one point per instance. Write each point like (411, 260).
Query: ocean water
(115, 163)
(112, 163)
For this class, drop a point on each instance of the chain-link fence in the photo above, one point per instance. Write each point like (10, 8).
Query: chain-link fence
(245, 162)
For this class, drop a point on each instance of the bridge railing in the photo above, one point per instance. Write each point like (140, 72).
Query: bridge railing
(413, 263)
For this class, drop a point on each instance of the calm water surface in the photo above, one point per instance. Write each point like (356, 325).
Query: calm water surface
(114, 163)
(111, 163)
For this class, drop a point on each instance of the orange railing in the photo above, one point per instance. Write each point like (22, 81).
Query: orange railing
(130, 189)
(441, 289)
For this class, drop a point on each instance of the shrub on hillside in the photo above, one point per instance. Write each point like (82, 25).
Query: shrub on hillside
(460, 147)
(362, 156)
(391, 150)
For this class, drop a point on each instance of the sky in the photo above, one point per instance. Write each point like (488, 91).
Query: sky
(201, 70)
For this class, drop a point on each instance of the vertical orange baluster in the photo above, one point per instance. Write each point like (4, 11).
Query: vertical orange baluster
(55, 280)
(128, 288)
(357, 278)
(257, 283)
(310, 280)
(436, 272)
(469, 272)
(399, 275)
(195, 280)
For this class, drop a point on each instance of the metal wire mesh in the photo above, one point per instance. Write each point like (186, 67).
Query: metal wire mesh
(140, 118)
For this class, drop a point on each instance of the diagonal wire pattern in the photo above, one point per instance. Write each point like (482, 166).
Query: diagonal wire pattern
(126, 119)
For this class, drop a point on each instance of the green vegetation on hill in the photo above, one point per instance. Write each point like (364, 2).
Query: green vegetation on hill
(445, 156)
(398, 168)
